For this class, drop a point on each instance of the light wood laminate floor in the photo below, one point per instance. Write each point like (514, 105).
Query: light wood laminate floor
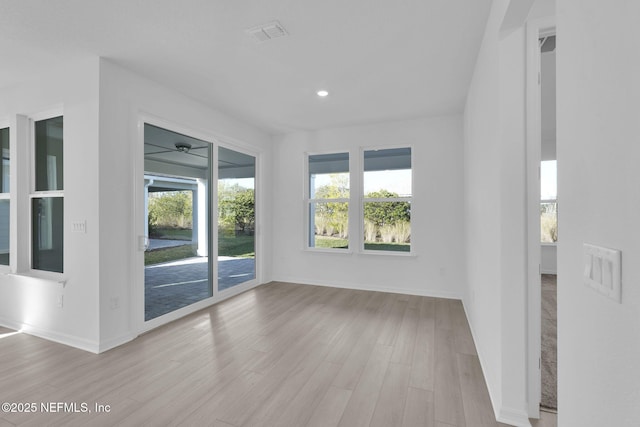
(279, 355)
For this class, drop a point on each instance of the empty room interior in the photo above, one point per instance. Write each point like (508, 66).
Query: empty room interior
(337, 213)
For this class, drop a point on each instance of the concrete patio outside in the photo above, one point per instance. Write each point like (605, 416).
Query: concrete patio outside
(176, 284)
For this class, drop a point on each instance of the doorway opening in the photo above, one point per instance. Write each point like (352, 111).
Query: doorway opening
(548, 224)
(542, 214)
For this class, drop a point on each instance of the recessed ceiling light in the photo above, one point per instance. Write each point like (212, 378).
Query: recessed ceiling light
(322, 93)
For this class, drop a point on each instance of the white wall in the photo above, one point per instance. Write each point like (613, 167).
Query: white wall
(30, 303)
(495, 216)
(548, 259)
(598, 157)
(101, 103)
(482, 196)
(123, 97)
(548, 100)
(437, 237)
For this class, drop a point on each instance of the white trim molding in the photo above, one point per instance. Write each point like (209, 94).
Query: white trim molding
(514, 417)
(61, 338)
(534, 28)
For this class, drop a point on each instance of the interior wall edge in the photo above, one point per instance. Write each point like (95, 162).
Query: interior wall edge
(494, 395)
(111, 343)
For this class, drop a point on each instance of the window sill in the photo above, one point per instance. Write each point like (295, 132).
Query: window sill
(549, 244)
(328, 251)
(389, 253)
(44, 276)
(361, 252)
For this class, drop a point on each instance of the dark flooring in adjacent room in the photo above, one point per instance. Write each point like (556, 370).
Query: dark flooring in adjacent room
(549, 359)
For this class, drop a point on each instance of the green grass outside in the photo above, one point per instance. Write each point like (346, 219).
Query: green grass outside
(393, 247)
(239, 246)
(244, 247)
(331, 242)
(172, 233)
(157, 256)
(338, 243)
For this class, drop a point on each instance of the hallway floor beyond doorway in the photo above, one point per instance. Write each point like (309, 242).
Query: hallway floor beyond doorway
(549, 342)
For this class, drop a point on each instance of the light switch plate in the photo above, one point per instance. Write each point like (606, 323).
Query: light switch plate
(79, 227)
(602, 270)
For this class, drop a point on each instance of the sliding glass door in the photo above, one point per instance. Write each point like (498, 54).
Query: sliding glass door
(236, 218)
(183, 265)
(176, 192)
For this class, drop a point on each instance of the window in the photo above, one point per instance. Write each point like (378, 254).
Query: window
(328, 201)
(387, 200)
(383, 199)
(5, 197)
(47, 197)
(548, 202)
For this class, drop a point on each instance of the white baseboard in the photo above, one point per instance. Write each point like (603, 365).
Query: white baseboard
(514, 417)
(115, 342)
(493, 396)
(70, 340)
(363, 287)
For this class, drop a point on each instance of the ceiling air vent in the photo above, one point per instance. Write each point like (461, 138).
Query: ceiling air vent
(268, 31)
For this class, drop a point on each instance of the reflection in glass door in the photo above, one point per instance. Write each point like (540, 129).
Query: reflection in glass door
(176, 197)
(236, 218)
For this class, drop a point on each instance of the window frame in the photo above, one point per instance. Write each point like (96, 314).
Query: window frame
(355, 202)
(40, 194)
(9, 196)
(363, 200)
(308, 201)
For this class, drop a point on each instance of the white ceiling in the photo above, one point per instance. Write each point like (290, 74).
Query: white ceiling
(380, 59)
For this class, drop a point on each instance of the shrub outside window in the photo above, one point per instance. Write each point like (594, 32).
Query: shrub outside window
(328, 201)
(387, 190)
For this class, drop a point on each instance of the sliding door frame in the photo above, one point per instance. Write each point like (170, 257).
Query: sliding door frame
(139, 240)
